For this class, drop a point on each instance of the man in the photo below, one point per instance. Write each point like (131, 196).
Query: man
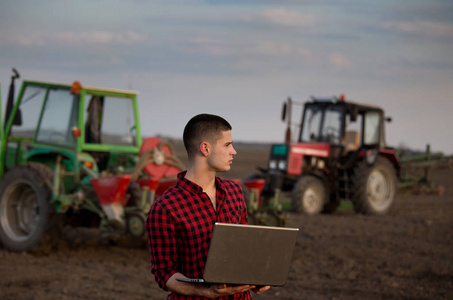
(181, 221)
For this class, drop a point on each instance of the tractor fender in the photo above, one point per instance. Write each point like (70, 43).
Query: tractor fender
(39, 152)
(328, 184)
(47, 157)
(390, 155)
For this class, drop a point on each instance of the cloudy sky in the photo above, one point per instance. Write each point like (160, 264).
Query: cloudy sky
(242, 59)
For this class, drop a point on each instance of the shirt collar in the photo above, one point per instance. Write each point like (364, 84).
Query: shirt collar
(193, 187)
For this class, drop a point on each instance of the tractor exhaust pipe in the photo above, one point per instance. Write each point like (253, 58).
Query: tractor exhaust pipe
(10, 102)
(286, 114)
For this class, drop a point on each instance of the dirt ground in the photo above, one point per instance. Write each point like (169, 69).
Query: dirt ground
(407, 254)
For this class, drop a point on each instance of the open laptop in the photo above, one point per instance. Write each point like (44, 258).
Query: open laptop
(248, 254)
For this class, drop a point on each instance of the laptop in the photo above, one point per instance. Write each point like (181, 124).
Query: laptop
(248, 254)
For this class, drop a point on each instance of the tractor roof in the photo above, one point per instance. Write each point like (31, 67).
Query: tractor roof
(349, 104)
(92, 88)
(362, 106)
(89, 88)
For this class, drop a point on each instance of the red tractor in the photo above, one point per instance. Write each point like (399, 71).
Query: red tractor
(340, 154)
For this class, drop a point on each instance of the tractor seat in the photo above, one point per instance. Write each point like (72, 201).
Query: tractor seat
(352, 141)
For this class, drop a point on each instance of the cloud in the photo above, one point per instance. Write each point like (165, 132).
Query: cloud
(33, 40)
(208, 45)
(81, 38)
(227, 47)
(101, 37)
(340, 61)
(282, 17)
(421, 28)
(285, 17)
(272, 48)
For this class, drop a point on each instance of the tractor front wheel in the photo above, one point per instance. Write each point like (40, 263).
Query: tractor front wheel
(374, 187)
(25, 209)
(309, 195)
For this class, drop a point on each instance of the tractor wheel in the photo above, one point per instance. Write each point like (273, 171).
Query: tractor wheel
(309, 195)
(26, 214)
(136, 229)
(374, 187)
(135, 220)
(135, 225)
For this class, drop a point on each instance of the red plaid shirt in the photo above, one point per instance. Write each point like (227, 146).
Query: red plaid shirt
(180, 225)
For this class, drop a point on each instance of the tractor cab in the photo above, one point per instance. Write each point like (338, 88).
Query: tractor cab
(66, 119)
(346, 127)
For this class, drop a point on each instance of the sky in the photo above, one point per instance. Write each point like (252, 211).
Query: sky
(242, 59)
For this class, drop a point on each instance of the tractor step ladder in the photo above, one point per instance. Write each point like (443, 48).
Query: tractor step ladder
(343, 185)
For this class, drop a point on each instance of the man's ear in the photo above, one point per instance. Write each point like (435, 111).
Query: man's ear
(205, 148)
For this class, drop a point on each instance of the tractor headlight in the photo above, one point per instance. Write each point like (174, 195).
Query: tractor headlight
(282, 165)
(272, 164)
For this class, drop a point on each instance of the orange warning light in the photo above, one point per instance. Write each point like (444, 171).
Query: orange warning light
(76, 87)
(76, 132)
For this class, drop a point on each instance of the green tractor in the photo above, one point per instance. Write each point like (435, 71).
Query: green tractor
(74, 155)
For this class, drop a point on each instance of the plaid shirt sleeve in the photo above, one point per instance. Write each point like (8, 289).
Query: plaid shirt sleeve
(162, 244)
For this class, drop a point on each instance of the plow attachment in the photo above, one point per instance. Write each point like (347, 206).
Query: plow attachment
(416, 171)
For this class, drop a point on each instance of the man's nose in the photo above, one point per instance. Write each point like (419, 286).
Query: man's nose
(233, 151)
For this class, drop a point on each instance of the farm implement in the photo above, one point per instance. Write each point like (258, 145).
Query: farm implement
(416, 170)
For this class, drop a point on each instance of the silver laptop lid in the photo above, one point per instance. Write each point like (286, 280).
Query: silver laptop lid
(250, 254)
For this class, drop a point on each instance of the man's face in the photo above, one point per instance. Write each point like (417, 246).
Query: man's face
(222, 152)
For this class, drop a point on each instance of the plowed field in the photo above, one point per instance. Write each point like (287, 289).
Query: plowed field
(407, 254)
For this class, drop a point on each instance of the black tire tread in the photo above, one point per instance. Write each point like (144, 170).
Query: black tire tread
(43, 176)
(299, 189)
(361, 173)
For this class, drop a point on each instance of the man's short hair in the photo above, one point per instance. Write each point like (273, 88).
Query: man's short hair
(203, 127)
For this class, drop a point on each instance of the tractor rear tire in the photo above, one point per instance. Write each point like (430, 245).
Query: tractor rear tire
(26, 214)
(374, 187)
(309, 195)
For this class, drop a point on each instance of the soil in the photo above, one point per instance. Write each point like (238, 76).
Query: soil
(406, 254)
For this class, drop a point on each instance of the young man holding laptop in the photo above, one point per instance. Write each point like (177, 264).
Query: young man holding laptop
(180, 223)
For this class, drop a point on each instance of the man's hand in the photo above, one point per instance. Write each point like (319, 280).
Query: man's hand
(259, 289)
(209, 291)
(219, 290)
(224, 290)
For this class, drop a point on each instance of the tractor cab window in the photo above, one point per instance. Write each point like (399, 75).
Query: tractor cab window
(311, 124)
(30, 106)
(331, 129)
(371, 128)
(109, 120)
(58, 118)
(322, 124)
